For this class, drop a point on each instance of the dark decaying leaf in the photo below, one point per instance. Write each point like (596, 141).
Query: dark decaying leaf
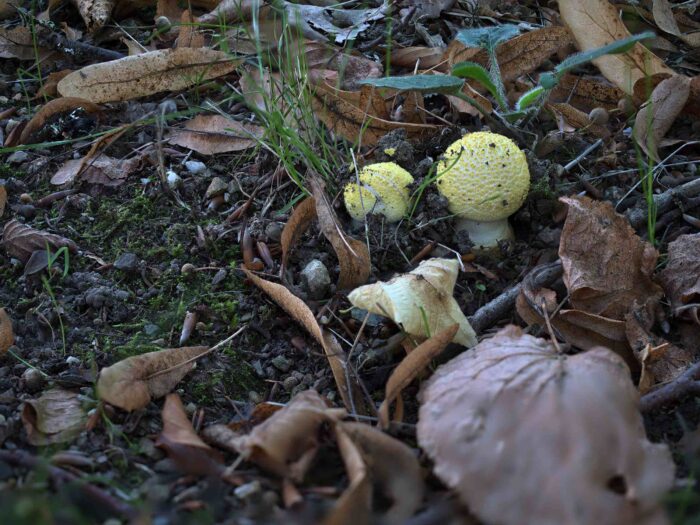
(130, 384)
(525, 434)
(211, 134)
(21, 241)
(681, 277)
(607, 267)
(56, 417)
(7, 334)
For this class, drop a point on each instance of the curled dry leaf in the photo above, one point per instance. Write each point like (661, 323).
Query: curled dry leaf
(212, 134)
(595, 23)
(131, 383)
(146, 74)
(410, 367)
(287, 441)
(586, 93)
(301, 313)
(101, 169)
(353, 255)
(21, 241)
(184, 446)
(420, 301)
(299, 221)
(391, 466)
(95, 13)
(49, 87)
(18, 43)
(354, 504)
(606, 265)
(7, 334)
(655, 119)
(567, 428)
(681, 277)
(578, 119)
(54, 107)
(56, 417)
(665, 19)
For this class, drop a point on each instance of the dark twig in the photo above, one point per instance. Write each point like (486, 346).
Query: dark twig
(79, 51)
(98, 496)
(686, 384)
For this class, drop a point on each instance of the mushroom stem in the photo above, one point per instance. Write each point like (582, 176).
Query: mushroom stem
(486, 234)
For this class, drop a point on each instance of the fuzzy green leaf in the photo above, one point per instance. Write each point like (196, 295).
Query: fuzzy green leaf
(487, 37)
(423, 83)
(480, 74)
(530, 97)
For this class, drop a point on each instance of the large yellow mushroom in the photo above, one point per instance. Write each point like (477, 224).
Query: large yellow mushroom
(485, 178)
(383, 190)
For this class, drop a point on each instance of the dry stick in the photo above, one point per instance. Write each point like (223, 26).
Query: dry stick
(686, 384)
(496, 309)
(58, 475)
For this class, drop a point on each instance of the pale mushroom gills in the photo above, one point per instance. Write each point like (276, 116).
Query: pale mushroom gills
(485, 179)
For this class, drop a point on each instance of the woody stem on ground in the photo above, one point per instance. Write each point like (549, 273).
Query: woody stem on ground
(686, 384)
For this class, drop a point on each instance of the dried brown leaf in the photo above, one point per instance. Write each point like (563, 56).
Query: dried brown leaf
(299, 221)
(301, 313)
(393, 468)
(417, 57)
(54, 107)
(184, 446)
(18, 43)
(426, 8)
(595, 23)
(190, 35)
(21, 241)
(352, 122)
(655, 119)
(410, 367)
(3, 199)
(287, 441)
(665, 19)
(131, 383)
(56, 417)
(353, 255)
(146, 74)
(586, 93)
(101, 170)
(49, 87)
(7, 334)
(607, 267)
(7, 9)
(353, 66)
(681, 277)
(578, 119)
(212, 134)
(566, 429)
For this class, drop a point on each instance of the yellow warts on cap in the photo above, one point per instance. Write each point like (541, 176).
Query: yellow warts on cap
(390, 151)
(383, 190)
(484, 177)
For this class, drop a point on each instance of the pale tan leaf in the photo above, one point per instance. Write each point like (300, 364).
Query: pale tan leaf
(607, 267)
(56, 417)
(102, 170)
(299, 221)
(21, 241)
(681, 277)
(410, 367)
(54, 107)
(566, 429)
(131, 383)
(578, 119)
(655, 119)
(595, 23)
(212, 134)
(301, 313)
(421, 301)
(665, 19)
(95, 13)
(182, 443)
(352, 254)
(190, 35)
(417, 57)
(393, 468)
(146, 74)
(7, 335)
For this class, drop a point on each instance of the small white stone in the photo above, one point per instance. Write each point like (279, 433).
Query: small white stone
(247, 490)
(174, 180)
(195, 166)
(72, 360)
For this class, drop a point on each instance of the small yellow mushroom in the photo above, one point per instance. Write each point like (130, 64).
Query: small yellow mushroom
(485, 178)
(383, 190)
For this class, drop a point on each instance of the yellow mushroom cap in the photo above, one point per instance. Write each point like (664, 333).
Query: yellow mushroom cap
(484, 177)
(384, 190)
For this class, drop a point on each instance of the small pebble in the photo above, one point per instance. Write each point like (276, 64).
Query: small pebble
(163, 23)
(316, 279)
(27, 211)
(216, 187)
(33, 380)
(247, 490)
(18, 157)
(174, 180)
(187, 268)
(72, 360)
(289, 383)
(599, 116)
(255, 397)
(281, 363)
(195, 166)
(25, 198)
(127, 262)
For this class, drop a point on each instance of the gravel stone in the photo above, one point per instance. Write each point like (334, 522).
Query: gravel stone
(316, 279)
(281, 363)
(195, 166)
(127, 262)
(18, 157)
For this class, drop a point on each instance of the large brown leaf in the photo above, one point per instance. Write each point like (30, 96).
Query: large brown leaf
(56, 417)
(131, 383)
(681, 277)
(607, 267)
(586, 93)
(525, 434)
(21, 240)
(656, 118)
(595, 23)
(146, 74)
